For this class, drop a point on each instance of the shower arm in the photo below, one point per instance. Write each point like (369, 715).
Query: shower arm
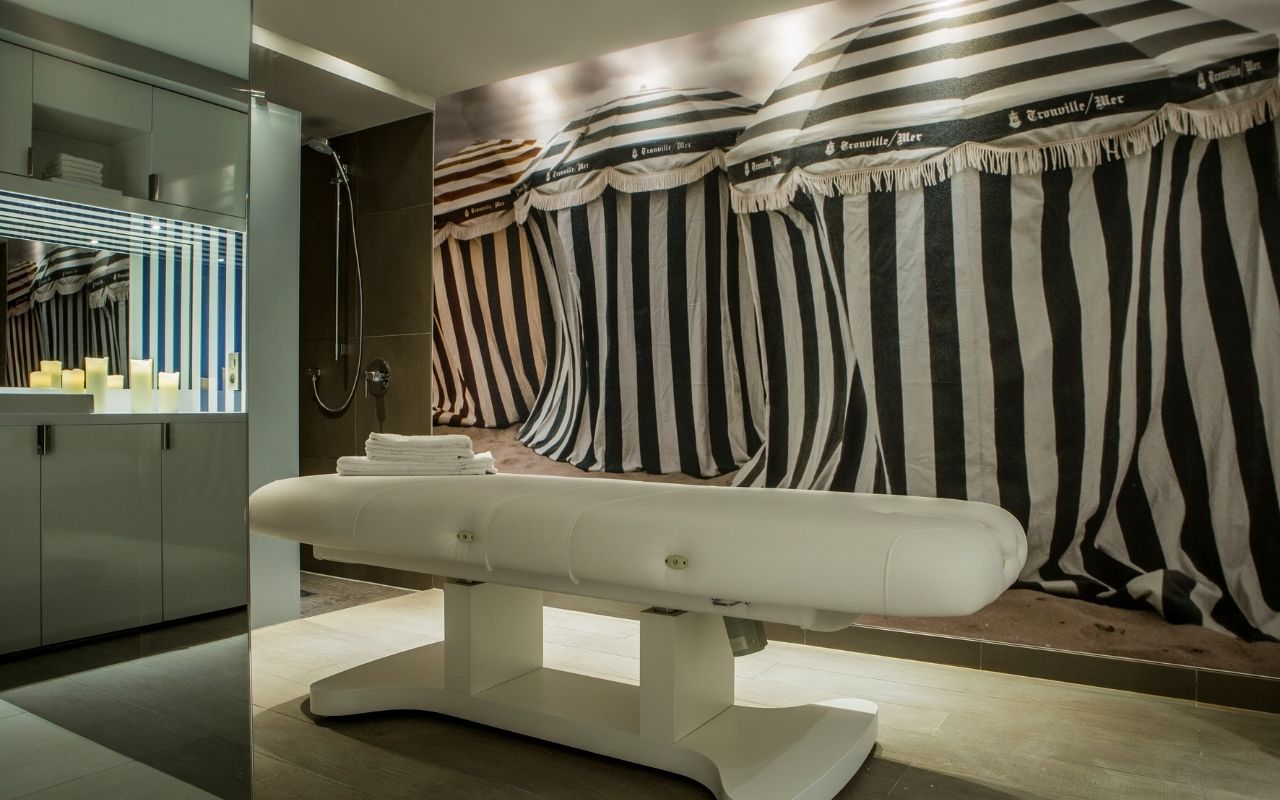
(314, 374)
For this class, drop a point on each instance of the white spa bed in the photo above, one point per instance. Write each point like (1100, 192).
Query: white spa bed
(813, 559)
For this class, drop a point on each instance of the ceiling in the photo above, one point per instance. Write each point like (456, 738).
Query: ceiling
(436, 47)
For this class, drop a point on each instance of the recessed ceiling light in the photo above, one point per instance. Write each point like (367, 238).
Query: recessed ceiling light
(155, 226)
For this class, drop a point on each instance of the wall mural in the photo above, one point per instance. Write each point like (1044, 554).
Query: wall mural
(1012, 253)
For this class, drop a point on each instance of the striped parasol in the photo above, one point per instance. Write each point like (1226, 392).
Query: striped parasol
(655, 365)
(1009, 87)
(648, 141)
(473, 187)
(489, 350)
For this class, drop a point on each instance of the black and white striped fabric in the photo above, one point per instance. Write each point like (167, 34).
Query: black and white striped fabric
(1095, 349)
(491, 312)
(1083, 328)
(22, 343)
(655, 365)
(80, 299)
(1005, 86)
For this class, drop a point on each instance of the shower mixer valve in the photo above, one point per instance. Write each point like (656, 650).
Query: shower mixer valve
(377, 378)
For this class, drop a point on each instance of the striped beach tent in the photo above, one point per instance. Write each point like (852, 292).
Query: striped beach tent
(655, 364)
(80, 299)
(491, 312)
(1027, 253)
(22, 339)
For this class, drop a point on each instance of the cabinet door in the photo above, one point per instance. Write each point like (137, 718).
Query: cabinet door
(206, 540)
(15, 99)
(19, 539)
(85, 103)
(100, 531)
(200, 153)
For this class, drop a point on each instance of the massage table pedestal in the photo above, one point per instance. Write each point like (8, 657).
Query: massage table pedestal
(681, 718)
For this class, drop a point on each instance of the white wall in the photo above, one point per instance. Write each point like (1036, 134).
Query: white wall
(271, 357)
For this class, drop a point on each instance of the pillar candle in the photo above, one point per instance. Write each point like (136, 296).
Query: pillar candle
(95, 380)
(73, 380)
(54, 370)
(168, 392)
(140, 385)
(41, 380)
(115, 381)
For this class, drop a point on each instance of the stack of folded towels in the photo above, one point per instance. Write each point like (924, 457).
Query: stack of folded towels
(393, 454)
(70, 169)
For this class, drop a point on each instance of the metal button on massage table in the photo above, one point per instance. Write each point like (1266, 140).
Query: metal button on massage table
(813, 559)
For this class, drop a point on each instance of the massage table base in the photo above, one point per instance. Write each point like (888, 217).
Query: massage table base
(681, 718)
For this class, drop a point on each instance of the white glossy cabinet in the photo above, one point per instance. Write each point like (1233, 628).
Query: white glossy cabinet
(88, 104)
(199, 154)
(100, 530)
(206, 562)
(154, 144)
(119, 525)
(15, 99)
(19, 539)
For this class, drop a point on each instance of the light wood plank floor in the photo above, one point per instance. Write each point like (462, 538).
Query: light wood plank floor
(945, 732)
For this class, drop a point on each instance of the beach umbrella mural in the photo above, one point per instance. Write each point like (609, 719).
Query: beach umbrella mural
(656, 364)
(1025, 253)
(490, 310)
(22, 339)
(80, 299)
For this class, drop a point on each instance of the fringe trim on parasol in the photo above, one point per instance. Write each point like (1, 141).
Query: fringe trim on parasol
(492, 224)
(1087, 151)
(623, 182)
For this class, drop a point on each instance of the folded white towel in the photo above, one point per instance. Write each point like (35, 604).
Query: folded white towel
(70, 160)
(481, 464)
(401, 440)
(69, 172)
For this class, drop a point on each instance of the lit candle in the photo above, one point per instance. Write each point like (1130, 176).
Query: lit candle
(54, 370)
(95, 380)
(140, 385)
(168, 392)
(41, 380)
(73, 380)
(115, 381)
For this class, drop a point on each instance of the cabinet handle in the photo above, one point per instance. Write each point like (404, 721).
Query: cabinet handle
(167, 436)
(31, 161)
(44, 440)
(153, 186)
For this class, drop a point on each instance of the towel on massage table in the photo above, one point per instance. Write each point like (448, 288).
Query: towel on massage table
(479, 464)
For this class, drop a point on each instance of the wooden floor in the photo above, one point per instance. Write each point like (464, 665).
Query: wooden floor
(945, 732)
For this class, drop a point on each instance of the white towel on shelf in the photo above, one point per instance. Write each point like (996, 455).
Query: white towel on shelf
(66, 159)
(480, 464)
(64, 172)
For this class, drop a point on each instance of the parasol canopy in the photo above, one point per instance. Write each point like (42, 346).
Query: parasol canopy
(648, 141)
(1004, 87)
(473, 187)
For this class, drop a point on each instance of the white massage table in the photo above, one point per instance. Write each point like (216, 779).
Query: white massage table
(693, 553)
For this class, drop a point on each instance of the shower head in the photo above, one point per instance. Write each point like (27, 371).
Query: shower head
(320, 145)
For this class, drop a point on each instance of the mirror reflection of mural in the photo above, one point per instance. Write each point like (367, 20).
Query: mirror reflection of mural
(63, 303)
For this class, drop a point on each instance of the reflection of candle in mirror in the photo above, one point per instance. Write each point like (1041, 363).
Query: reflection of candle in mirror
(54, 370)
(73, 380)
(115, 381)
(41, 380)
(140, 385)
(168, 392)
(95, 380)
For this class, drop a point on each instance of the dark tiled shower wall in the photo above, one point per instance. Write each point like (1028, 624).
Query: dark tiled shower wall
(391, 168)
